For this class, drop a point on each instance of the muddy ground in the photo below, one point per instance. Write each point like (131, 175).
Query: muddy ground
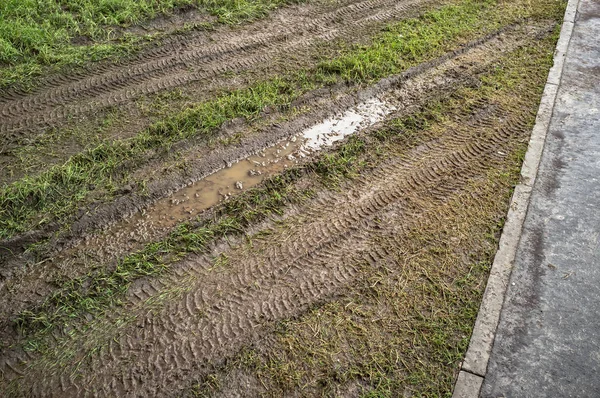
(329, 237)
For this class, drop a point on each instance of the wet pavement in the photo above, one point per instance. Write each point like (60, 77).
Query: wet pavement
(548, 340)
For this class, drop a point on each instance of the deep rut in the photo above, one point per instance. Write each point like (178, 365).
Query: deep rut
(193, 59)
(319, 250)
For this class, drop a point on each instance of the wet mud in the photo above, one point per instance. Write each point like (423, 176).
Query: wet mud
(186, 197)
(180, 325)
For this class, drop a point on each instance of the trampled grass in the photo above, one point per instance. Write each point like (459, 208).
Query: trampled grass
(396, 333)
(39, 33)
(521, 71)
(35, 201)
(415, 351)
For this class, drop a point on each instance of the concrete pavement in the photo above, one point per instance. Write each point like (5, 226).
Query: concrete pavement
(545, 282)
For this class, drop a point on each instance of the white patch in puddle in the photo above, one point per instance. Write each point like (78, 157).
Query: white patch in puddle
(336, 128)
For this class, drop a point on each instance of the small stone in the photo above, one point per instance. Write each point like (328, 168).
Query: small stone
(293, 139)
(239, 185)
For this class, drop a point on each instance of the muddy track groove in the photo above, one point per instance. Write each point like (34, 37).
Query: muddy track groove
(184, 62)
(320, 251)
(19, 293)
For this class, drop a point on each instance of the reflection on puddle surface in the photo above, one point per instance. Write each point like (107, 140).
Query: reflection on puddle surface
(338, 127)
(203, 194)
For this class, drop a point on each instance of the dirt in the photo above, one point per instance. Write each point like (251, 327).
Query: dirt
(182, 196)
(173, 329)
(200, 56)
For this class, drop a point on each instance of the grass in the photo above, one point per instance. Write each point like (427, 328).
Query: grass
(101, 289)
(34, 201)
(415, 350)
(39, 33)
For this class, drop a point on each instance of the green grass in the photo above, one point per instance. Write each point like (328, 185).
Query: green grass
(39, 33)
(34, 201)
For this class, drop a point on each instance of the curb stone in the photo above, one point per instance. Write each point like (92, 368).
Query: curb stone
(474, 366)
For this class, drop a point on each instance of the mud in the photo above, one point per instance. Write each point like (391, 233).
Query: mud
(192, 58)
(176, 327)
(184, 197)
(306, 258)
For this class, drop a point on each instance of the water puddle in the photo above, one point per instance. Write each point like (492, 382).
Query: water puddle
(188, 202)
(336, 128)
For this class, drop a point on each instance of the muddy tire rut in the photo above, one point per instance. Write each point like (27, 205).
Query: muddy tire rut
(194, 59)
(27, 287)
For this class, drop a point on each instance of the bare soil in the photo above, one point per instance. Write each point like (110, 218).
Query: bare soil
(190, 330)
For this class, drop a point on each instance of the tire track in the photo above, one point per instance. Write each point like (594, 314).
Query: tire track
(317, 255)
(187, 61)
(442, 76)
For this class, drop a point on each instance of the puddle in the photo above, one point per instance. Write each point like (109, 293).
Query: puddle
(188, 202)
(338, 127)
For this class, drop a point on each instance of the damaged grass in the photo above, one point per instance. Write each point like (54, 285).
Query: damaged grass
(522, 72)
(35, 201)
(38, 34)
(403, 327)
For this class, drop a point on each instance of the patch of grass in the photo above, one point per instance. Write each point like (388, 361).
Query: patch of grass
(34, 201)
(38, 33)
(400, 330)
(521, 72)
(408, 43)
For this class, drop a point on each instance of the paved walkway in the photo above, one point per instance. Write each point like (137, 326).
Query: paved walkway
(548, 340)
(538, 329)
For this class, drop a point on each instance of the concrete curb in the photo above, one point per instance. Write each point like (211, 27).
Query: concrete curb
(474, 367)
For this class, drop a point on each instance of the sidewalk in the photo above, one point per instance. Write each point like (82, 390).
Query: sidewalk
(547, 340)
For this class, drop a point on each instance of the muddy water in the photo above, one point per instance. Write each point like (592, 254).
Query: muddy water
(190, 201)
(224, 183)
